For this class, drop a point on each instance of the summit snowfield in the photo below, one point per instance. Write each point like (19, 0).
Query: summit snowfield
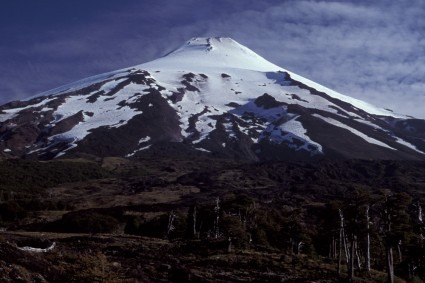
(211, 96)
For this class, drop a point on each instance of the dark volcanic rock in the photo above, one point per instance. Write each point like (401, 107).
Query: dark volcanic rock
(67, 123)
(266, 101)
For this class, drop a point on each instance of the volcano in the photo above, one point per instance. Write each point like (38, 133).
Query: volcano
(211, 96)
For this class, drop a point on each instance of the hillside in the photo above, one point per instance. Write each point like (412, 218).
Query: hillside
(279, 219)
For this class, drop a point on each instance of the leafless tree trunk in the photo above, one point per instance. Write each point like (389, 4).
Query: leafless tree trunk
(298, 247)
(390, 265)
(217, 218)
(333, 248)
(170, 226)
(352, 257)
(229, 247)
(359, 260)
(390, 259)
(340, 248)
(400, 256)
(367, 240)
(347, 255)
(344, 240)
(421, 236)
(250, 238)
(195, 233)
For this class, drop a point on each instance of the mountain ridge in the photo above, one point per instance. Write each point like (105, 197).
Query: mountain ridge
(215, 96)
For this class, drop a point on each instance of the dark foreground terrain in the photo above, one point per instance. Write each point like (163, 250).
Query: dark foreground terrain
(210, 220)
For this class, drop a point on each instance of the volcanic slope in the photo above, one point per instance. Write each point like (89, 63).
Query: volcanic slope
(212, 96)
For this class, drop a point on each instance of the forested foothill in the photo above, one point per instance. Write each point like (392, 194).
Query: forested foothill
(211, 220)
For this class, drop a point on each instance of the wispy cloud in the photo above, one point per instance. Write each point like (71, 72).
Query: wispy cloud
(373, 52)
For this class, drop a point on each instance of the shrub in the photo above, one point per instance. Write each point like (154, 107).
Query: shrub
(11, 211)
(133, 226)
(87, 222)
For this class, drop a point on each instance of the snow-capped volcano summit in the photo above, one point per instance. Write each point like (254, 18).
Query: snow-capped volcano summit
(210, 96)
(217, 52)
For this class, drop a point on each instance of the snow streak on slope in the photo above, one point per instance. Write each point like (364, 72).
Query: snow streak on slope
(407, 144)
(354, 131)
(397, 139)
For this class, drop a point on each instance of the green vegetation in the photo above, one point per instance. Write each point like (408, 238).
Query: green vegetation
(25, 176)
(84, 222)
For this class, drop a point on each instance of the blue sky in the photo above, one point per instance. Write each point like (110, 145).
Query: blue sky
(371, 50)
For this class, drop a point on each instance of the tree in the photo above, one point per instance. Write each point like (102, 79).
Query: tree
(192, 225)
(395, 226)
(170, 225)
(330, 229)
(355, 228)
(217, 218)
(367, 238)
(294, 231)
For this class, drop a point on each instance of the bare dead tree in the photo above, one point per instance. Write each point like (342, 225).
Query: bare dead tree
(367, 238)
(335, 249)
(400, 255)
(217, 218)
(389, 252)
(420, 219)
(298, 246)
(352, 256)
(195, 233)
(344, 236)
(342, 242)
(358, 258)
(170, 226)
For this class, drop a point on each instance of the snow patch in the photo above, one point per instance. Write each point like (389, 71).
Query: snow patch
(37, 250)
(146, 139)
(407, 144)
(137, 150)
(229, 130)
(354, 131)
(105, 113)
(108, 86)
(12, 113)
(202, 149)
(294, 135)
